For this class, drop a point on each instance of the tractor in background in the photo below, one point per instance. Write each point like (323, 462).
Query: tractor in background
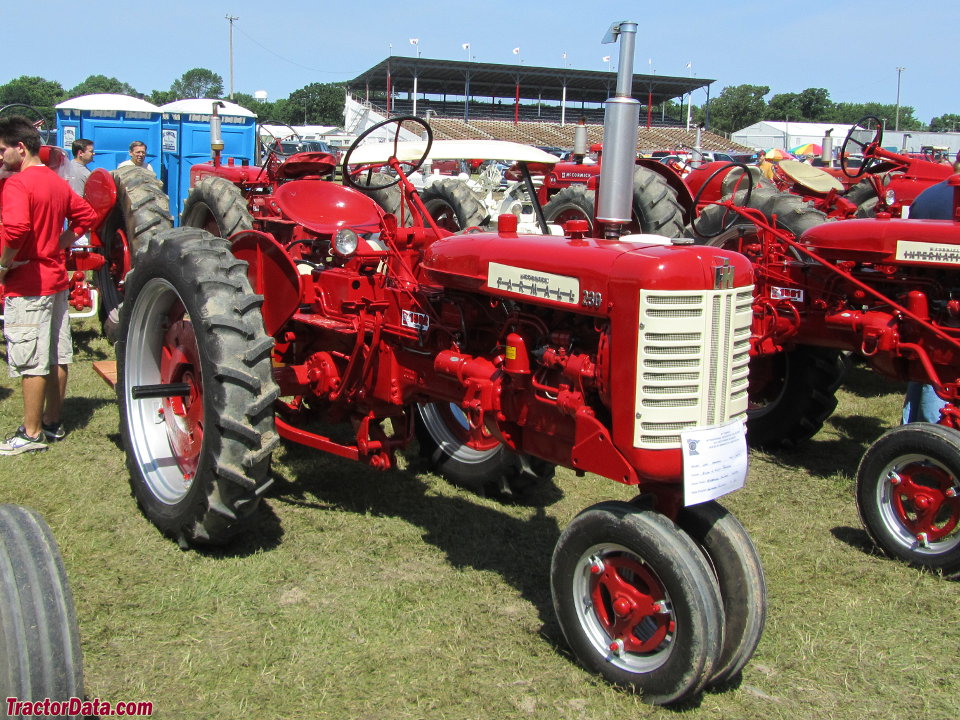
(881, 182)
(883, 290)
(282, 309)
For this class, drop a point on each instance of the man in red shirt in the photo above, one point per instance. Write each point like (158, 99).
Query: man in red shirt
(34, 202)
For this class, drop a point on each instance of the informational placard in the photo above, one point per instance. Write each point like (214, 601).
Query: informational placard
(69, 135)
(168, 142)
(714, 461)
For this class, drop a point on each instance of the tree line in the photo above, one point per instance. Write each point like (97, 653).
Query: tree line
(735, 108)
(315, 104)
(740, 106)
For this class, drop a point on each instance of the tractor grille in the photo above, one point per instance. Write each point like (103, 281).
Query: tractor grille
(694, 349)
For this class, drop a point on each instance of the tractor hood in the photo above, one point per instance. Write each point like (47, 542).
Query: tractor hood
(588, 272)
(889, 241)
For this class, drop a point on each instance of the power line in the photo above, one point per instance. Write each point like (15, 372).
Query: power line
(293, 62)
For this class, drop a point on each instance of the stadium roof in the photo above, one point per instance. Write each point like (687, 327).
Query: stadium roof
(453, 77)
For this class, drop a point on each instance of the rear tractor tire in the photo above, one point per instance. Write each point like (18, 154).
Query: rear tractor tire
(195, 388)
(655, 207)
(453, 205)
(216, 205)
(485, 467)
(142, 211)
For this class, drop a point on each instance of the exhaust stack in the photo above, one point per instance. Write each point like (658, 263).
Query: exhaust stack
(580, 141)
(620, 123)
(216, 137)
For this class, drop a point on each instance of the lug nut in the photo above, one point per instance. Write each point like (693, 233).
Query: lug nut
(617, 647)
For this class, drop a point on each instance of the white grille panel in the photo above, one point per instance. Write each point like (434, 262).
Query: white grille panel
(693, 351)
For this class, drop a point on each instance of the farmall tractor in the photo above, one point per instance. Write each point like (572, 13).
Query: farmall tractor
(883, 182)
(621, 356)
(884, 290)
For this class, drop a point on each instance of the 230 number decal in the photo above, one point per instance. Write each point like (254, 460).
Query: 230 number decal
(592, 299)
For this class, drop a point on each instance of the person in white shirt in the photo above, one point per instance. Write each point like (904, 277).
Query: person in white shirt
(138, 156)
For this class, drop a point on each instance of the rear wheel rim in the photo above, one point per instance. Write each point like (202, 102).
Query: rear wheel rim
(572, 213)
(167, 433)
(450, 429)
(444, 215)
(623, 608)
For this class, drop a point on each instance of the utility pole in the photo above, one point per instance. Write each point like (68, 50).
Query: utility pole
(230, 19)
(896, 124)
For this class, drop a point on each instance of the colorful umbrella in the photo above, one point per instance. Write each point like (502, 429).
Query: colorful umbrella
(807, 149)
(778, 154)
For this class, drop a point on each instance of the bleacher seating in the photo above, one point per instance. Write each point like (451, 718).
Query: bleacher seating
(496, 122)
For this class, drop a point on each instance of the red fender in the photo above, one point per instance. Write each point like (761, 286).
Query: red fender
(269, 266)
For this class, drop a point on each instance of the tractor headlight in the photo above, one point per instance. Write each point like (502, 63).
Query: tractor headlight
(891, 197)
(345, 242)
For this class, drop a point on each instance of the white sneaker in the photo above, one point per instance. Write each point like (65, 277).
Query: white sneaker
(20, 442)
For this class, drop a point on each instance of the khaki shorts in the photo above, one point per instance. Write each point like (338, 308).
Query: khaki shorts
(37, 330)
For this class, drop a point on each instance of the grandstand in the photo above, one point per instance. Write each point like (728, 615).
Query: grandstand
(531, 105)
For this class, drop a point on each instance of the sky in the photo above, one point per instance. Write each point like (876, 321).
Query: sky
(852, 49)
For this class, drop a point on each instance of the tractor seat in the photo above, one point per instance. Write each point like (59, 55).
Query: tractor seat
(325, 207)
(305, 164)
(810, 177)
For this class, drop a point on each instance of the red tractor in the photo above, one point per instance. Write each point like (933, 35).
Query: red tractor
(613, 355)
(881, 181)
(881, 289)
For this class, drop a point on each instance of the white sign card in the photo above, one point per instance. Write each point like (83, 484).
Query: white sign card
(714, 461)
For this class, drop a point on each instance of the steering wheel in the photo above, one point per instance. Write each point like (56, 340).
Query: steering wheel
(352, 177)
(273, 148)
(733, 216)
(867, 163)
(39, 121)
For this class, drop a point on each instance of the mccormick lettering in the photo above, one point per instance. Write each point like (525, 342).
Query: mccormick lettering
(534, 278)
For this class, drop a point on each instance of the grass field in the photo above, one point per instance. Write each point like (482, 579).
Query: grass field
(367, 595)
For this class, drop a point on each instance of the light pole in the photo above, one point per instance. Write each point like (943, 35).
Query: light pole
(230, 19)
(896, 124)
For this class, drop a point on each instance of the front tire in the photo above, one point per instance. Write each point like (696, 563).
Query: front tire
(736, 565)
(198, 462)
(637, 601)
(39, 639)
(908, 495)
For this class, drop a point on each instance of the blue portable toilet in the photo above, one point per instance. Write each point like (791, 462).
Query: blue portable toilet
(185, 127)
(112, 122)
